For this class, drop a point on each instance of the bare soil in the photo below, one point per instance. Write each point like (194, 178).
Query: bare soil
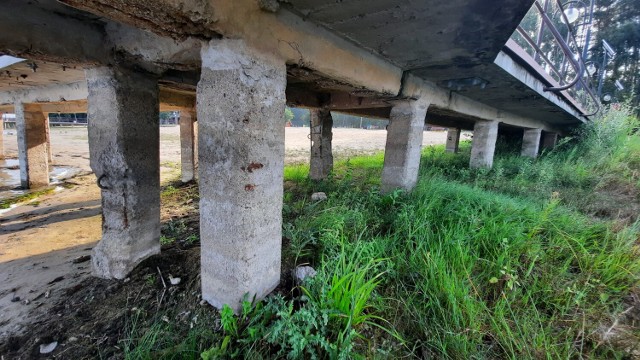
(46, 291)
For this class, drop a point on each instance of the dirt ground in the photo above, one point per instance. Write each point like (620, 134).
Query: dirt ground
(46, 291)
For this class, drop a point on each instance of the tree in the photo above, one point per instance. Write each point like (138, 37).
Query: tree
(288, 115)
(618, 22)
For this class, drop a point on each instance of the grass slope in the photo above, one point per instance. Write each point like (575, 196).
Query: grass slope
(529, 260)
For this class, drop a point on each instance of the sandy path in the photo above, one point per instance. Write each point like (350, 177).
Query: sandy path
(70, 146)
(39, 241)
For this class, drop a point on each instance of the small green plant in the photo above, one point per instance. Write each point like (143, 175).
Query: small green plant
(164, 240)
(237, 330)
(150, 279)
(192, 239)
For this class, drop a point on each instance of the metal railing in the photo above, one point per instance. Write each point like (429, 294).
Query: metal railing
(549, 38)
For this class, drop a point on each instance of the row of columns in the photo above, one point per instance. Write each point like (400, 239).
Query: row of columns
(240, 160)
(484, 138)
(34, 145)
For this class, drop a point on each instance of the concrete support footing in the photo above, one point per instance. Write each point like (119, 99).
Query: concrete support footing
(33, 158)
(485, 134)
(187, 146)
(404, 143)
(549, 140)
(453, 140)
(240, 104)
(124, 144)
(531, 143)
(321, 163)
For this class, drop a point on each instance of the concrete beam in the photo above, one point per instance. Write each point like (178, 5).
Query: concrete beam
(404, 143)
(283, 34)
(531, 143)
(321, 163)
(33, 157)
(453, 140)
(178, 99)
(39, 33)
(124, 144)
(187, 146)
(376, 113)
(446, 100)
(240, 104)
(485, 134)
(507, 63)
(58, 93)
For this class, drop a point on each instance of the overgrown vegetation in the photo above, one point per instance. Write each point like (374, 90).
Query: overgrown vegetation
(511, 262)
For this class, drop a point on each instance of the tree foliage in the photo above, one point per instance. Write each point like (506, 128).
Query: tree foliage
(618, 22)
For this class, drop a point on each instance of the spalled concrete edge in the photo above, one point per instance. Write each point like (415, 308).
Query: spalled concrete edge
(124, 143)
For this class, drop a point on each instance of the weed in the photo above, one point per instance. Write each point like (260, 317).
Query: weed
(164, 240)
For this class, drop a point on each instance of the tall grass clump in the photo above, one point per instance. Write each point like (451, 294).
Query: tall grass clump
(602, 154)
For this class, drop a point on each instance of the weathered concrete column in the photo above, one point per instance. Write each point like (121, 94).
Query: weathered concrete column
(48, 128)
(1, 138)
(549, 140)
(31, 126)
(531, 143)
(187, 146)
(404, 144)
(240, 105)
(124, 143)
(321, 162)
(453, 140)
(485, 134)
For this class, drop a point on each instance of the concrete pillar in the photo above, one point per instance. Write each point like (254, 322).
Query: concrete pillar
(31, 127)
(48, 129)
(531, 143)
(453, 140)
(1, 138)
(485, 134)
(321, 156)
(549, 140)
(240, 105)
(124, 145)
(187, 146)
(404, 143)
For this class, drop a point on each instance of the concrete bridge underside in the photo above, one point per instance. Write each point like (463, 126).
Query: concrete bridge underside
(232, 66)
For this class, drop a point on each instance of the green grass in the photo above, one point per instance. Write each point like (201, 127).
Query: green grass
(5, 204)
(508, 263)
